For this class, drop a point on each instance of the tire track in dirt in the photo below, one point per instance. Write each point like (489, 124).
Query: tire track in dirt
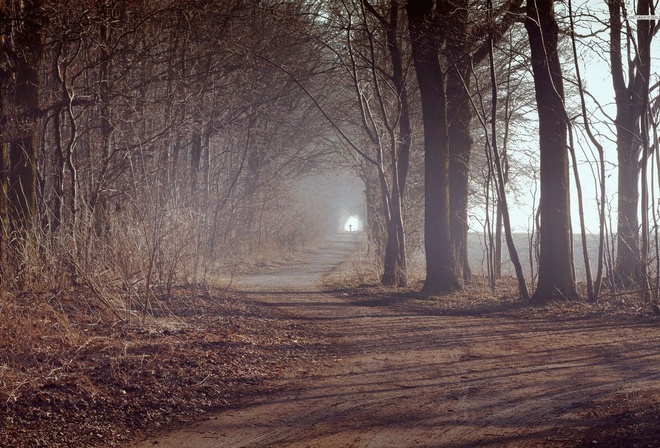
(400, 378)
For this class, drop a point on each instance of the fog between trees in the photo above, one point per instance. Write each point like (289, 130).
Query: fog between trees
(152, 143)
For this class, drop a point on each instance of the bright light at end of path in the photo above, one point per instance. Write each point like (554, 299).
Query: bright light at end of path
(353, 224)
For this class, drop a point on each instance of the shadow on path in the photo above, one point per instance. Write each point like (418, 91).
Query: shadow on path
(403, 377)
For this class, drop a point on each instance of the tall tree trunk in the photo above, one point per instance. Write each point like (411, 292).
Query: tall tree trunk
(556, 278)
(395, 138)
(374, 222)
(195, 159)
(441, 273)
(394, 266)
(174, 168)
(628, 266)
(4, 167)
(391, 268)
(501, 196)
(4, 205)
(631, 99)
(460, 144)
(463, 55)
(27, 52)
(60, 172)
(98, 206)
(459, 118)
(401, 152)
(206, 164)
(497, 262)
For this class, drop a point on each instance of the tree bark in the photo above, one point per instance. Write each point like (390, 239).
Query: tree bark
(441, 272)
(393, 272)
(460, 144)
(628, 268)
(555, 279)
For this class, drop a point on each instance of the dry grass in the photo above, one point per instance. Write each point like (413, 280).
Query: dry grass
(360, 268)
(71, 374)
(35, 329)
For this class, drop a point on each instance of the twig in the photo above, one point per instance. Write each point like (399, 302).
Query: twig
(201, 382)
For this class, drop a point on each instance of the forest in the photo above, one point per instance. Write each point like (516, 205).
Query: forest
(149, 143)
(149, 147)
(144, 143)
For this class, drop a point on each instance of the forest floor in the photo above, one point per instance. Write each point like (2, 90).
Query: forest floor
(285, 362)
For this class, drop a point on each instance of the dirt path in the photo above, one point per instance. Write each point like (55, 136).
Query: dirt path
(401, 378)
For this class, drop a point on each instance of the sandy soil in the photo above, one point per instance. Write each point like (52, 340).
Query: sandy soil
(412, 372)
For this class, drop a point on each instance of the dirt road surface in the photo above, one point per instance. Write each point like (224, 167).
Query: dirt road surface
(398, 377)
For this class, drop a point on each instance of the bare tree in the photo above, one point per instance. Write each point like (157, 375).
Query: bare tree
(378, 71)
(631, 97)
(426, 22)
(22, 50)
(466, 47)
(556, 275)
